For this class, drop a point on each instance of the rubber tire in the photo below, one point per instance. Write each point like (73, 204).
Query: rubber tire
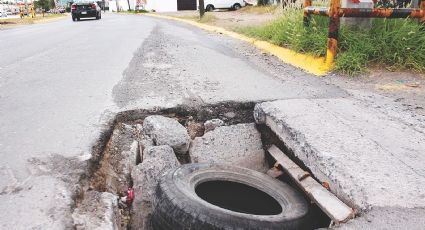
(176, 205)
(209, 8)
(237, 6)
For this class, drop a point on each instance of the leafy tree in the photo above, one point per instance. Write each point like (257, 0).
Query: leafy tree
(45, 5)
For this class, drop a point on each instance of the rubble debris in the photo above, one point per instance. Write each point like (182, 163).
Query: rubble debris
(157, 160)
(236, 144)
(167, 131)
(212, 124)
(98, 210)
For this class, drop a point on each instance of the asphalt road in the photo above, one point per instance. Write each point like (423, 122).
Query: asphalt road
(60, 83)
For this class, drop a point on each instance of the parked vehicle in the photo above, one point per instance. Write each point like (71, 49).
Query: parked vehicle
(3, 14)
(211, 5)
(87, 9)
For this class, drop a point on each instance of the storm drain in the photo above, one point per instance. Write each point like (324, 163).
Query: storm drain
(118, 193)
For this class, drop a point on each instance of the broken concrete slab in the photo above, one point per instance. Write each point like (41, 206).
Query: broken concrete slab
(212, 124)
(236, 144)
(369, 158)
(167, 131)
(388, 218)
(98, 210)
(157, 160)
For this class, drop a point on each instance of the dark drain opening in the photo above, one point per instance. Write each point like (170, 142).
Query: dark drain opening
(238, 197)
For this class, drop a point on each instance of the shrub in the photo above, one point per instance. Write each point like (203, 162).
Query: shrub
(393, 43)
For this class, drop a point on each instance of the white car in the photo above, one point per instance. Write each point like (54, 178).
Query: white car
(211, 5)
(3, 14)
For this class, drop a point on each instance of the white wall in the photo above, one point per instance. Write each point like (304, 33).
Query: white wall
(157, 5)
(161, 5)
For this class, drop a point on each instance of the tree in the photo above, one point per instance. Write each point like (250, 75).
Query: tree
(44, 5)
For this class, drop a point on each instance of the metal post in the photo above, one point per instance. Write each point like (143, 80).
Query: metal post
(333, 31)
(201, 9)
(307, 16)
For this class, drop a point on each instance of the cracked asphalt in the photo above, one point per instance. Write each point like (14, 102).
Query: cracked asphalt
(62, 82)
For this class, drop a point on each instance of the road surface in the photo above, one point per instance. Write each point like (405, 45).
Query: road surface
(61, 82)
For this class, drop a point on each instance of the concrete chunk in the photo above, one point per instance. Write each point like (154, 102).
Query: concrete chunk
(368, 158)
(167, 131)
(212, 124)
(157, 160)
(98, 210)
(236, 144)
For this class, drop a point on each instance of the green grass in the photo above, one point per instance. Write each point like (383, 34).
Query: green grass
(259, 9)
(395, 44)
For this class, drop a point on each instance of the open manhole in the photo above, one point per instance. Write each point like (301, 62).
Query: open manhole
(238, 197)
(123, 164)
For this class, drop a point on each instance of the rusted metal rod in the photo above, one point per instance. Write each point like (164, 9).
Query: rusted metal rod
(333, 31)
(368, 12)
(307, 3)
(334, 12)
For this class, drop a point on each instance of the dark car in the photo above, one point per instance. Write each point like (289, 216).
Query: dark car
(85, 10)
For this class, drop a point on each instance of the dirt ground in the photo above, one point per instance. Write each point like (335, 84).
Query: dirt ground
(228, 19)
(407, 88)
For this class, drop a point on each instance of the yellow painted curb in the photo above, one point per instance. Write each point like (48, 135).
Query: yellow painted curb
(309, 63)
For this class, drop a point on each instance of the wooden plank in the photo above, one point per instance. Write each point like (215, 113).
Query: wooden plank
(337, 210)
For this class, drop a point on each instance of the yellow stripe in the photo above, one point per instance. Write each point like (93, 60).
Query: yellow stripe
(309, 63)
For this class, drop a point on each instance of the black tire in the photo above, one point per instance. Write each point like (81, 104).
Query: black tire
(178, 206)
(78, 19)
(209, 8)
(237, 6)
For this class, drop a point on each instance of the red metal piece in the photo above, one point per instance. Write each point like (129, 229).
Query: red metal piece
(355, 1)
(130, 196)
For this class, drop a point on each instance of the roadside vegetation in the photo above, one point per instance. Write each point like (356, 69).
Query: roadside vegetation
(11, 22)
(394, 44)
(259, 9)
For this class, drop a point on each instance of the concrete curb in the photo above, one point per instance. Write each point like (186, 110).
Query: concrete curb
(309, 63)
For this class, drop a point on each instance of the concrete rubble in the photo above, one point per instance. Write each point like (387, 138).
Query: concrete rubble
(239, 145)
(212, 124)
(99, 210)
(123, 155)
(157, 160)
(338, 138)
(167, 131)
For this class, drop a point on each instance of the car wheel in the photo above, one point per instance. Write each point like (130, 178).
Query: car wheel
(211, 196)
(237, 6)
(210, 8)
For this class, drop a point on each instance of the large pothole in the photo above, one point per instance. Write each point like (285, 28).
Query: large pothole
(134, 160)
